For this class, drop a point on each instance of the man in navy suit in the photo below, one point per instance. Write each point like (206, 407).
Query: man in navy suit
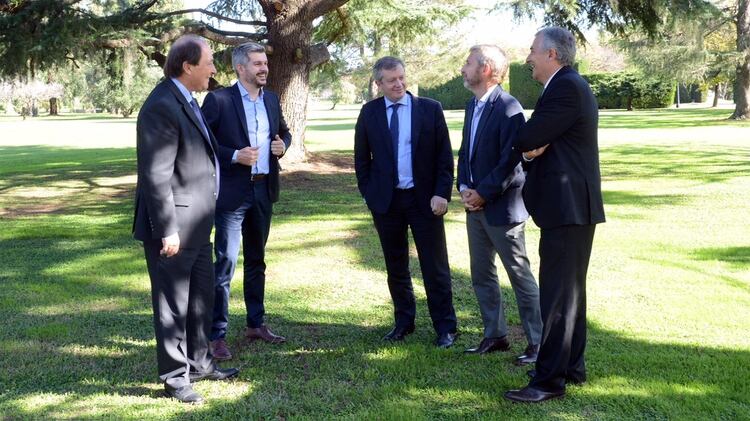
(404, 167)
(252, 136)
(563, 195)
(174, 209)
(490, 179)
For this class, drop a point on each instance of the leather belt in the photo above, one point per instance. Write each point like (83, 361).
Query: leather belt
(258, 177)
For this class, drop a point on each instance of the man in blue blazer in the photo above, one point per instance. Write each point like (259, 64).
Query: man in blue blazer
(404, 167)
(252, 136)
(490, 179)
(174, 208)
(564, 197)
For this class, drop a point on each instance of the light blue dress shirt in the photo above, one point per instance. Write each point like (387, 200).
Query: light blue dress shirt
(475, 117)
(405, 174)
(258, 128)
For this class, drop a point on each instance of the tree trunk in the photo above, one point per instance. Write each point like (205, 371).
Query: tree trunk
(291, 57)
(53, 106)
(716, 96)
(742, 94)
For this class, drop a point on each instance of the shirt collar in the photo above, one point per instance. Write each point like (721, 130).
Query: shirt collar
(244, 92)
(480, 102)
(185, 92)
(403, 101)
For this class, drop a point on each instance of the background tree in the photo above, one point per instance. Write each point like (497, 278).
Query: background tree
(649, 17)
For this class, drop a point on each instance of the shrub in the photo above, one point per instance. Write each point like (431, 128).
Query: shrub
(451, 94)
(522, 86)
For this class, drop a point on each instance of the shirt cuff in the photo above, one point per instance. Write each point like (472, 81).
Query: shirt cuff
(234, 157)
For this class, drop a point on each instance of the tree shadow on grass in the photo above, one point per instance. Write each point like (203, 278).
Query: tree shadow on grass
(666, 118)
(736, 257)
(628, 162)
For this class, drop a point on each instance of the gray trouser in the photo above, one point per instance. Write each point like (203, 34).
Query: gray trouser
(509, 242)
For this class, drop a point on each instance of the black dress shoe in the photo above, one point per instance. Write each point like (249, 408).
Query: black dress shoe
(528, 356)
(217, 374)
(398, 333)
(445, 340)
(568, 380)
(532, 395)
(185, 394)
(490, 345)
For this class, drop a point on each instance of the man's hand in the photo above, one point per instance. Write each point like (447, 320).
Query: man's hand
(439, 205)
(529, 155)
(472, 200)
(170, 245)
(277, 146)
(247, 156)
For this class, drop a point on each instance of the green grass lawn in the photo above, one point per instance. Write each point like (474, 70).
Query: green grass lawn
(668, 293)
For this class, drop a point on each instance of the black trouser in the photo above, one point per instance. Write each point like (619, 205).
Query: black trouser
(182, 296)
(429, 237)
(563, 262)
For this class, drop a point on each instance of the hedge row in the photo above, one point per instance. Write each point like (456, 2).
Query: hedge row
(612, 90)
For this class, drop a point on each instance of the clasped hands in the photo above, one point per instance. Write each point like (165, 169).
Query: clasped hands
(472, 200)
(249, 154)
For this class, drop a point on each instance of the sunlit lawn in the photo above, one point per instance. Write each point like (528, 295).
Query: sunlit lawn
(668, 293)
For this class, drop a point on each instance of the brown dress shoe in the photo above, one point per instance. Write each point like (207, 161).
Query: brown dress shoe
(263, 333)
(490, 345)
(220, 351)
(528, 356)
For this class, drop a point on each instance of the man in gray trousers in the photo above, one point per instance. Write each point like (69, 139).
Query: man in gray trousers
(490, 180)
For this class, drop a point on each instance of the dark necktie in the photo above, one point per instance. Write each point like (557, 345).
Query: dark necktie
(199, 115)
(394, 135)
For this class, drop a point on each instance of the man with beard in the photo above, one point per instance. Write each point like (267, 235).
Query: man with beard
(563, 194)
(490, 180)
(252, 136)
(174, 208)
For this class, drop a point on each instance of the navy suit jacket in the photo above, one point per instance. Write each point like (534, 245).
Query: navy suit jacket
(225, 115)
(176, 190)
(563, 185)
(496, 168)
(431, 153)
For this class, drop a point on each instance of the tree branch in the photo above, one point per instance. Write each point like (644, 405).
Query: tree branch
(318, 8)
(217, 16)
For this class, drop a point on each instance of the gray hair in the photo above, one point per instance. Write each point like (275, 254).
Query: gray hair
(562, 41)
(241, 53)
(385, 63)
(493, 56)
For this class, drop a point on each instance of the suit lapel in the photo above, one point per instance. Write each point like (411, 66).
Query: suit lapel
(272, 117)
(188, 110)
(489, 107)
(239, 108)
(416, 122)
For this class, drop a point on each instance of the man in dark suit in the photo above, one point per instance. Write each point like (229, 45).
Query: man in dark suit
(252, 136)
(174, 209)
(404, 167)
(563, 195)
(490, 179)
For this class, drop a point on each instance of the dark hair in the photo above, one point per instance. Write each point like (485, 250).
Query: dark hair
(385, 63)
(187, 48)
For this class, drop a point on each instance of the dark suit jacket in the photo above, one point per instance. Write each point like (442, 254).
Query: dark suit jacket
(495, 166)
(432, 157)
(563, 185)
(226, 117)
(176, 190)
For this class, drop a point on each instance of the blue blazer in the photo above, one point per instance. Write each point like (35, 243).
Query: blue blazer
(496, 168)
(432, 156)
(563, 185)
(225, 115)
